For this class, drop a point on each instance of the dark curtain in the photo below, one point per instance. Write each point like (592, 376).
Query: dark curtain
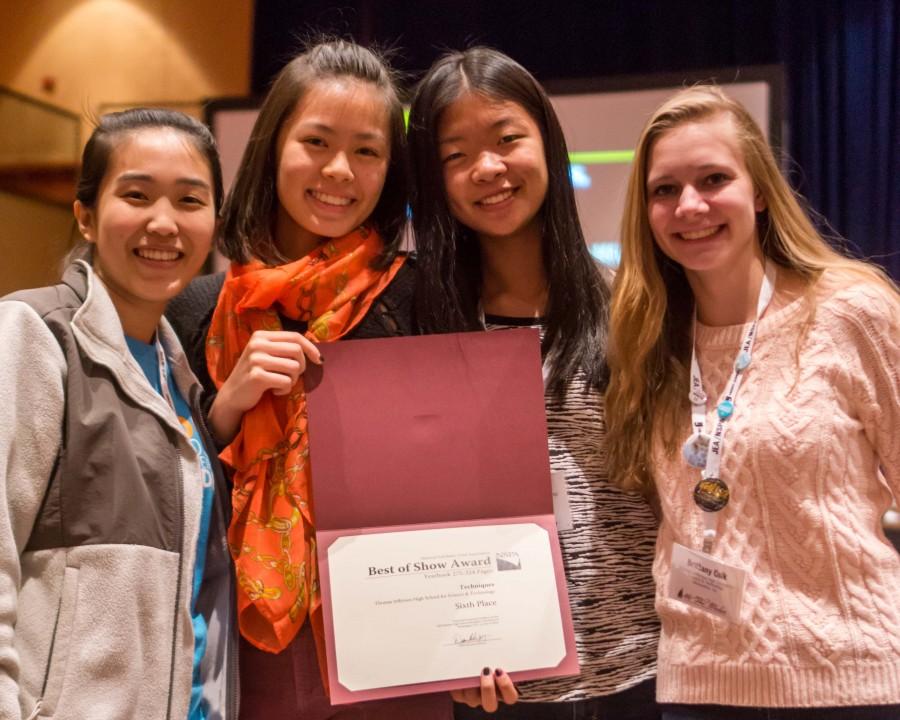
(843, 66)
(840, 59)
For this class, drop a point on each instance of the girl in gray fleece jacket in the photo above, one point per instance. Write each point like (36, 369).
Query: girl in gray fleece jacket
(116, 587)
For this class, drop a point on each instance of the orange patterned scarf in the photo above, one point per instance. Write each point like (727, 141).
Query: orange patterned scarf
(272, 532)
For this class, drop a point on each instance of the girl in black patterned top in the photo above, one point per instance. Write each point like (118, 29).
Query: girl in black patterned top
(500, 245)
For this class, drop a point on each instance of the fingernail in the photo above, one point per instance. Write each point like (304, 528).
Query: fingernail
(486, 671)
(498, 672)
(321, 360)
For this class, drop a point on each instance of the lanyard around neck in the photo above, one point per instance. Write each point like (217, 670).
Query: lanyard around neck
(702, 450)
(164, 374)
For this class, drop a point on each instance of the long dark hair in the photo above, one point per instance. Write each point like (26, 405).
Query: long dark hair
(449, 261)
(249, 214)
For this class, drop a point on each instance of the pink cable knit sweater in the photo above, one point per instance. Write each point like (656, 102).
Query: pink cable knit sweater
(820, 624)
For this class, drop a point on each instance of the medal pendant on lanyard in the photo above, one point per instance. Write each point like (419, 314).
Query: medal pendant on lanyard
(704, 451)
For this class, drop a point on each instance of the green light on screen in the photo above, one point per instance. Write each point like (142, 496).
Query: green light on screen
(601, 157)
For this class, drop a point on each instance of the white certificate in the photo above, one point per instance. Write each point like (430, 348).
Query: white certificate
(418, 606)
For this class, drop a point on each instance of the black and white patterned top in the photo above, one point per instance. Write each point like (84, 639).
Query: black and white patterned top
(607, 554)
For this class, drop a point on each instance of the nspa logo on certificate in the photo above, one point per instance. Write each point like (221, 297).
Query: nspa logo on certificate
(508, 561)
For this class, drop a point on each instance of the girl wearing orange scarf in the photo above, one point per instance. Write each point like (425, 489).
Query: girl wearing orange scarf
(312, 224)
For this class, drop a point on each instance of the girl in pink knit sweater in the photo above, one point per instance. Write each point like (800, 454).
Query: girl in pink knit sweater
(755, 390)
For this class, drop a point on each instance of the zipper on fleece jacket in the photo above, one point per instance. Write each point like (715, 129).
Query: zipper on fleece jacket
(52, 645)
(40, 700)
(179, 493)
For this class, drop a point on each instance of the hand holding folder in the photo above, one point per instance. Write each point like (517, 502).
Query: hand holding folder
(437, 543)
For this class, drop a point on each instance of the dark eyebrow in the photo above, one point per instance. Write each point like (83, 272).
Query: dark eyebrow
(143, 177)
(494, 126)
(322, 128)
(369, 136)
(194, 182)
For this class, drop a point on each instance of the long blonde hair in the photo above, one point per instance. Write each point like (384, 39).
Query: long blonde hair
(652, 306)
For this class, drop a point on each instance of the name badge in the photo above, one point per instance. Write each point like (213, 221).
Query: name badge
(701, 581)
(561, 508)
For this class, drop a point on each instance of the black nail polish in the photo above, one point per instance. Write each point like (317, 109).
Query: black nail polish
(486, 671)
(498, 672)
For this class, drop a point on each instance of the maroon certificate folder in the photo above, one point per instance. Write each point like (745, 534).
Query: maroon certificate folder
(432, 498)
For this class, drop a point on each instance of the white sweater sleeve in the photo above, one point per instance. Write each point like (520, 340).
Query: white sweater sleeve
(32, 377)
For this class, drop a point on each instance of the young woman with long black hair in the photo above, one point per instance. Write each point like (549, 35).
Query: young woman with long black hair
(313, 226)
(499, 245)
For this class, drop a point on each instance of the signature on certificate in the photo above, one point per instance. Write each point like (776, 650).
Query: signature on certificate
(470, 639)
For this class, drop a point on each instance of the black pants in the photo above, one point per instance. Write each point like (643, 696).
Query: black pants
(637, 703)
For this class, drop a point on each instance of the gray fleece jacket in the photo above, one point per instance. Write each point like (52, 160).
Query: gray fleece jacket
(100, 500)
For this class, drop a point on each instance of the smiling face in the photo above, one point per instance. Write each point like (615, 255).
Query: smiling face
(333, 156)
(495, 170)
(701, 202)
(152, 225)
